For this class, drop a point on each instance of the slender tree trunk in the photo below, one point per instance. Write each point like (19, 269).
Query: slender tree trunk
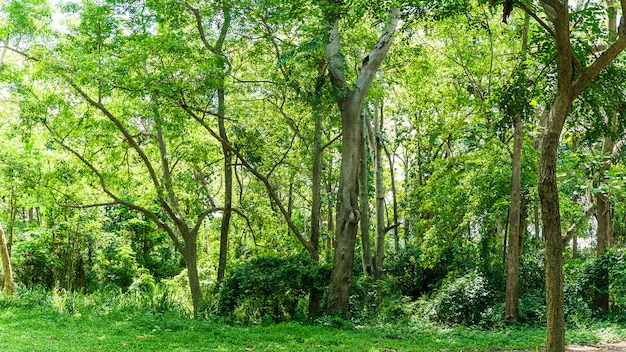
(603, 205)
(515, 214)
(9, 284)
(315, 294)
(551, 219)
(228, 186)
(604, 215)
(515, 234)
(375, 143)
(394, 197)
(330, 222)
(368, 267)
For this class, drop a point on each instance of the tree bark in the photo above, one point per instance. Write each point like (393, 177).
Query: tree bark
(191, 261)
(9, 284)
(315, 294)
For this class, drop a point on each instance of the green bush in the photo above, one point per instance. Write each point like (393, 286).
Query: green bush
(32, 260)
(462, 301)
(377, 301)
(270, 288)
(412, 277)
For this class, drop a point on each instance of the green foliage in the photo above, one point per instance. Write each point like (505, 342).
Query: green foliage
(411, 276)
(33, 262)
(584, 278)
(270, 288)
(115, 263)
(377, 302)
(462, 301)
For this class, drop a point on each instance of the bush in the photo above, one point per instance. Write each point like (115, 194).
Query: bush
(33, 263)
(462, 301)
(411, 276)
(377, 301)
(270, 288)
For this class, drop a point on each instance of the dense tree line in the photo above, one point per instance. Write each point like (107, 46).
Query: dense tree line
(457, 157)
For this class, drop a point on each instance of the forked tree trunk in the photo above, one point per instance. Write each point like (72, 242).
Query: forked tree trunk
(9, 284)
(350, 103)
(348, 214)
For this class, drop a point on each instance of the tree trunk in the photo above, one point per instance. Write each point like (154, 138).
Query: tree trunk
(228, 186)
(375, 143)
(511, 312)
(9, 284)
(515, 233)
(315, 294)
(604, 215)
(368, 267)
(191, 261)
(551, 219)
(394, 197)
(348, 214)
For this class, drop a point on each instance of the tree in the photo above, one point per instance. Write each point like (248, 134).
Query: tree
(515, 213)
(572, 79)
(350, 103)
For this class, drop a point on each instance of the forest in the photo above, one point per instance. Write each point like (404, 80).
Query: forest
(384, 173)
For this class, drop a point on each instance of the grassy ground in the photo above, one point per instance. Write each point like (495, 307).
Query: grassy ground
(23, 329)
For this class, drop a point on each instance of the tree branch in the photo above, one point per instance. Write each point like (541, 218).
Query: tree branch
(270, 190)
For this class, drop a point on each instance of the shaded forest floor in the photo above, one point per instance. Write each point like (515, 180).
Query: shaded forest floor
(46, 328)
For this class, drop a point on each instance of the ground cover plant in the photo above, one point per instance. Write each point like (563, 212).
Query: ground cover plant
(41, 321)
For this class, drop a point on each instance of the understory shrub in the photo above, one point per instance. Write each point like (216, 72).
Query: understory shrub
(377, 301)
(584, 278)
(270, 288)
(461, 301)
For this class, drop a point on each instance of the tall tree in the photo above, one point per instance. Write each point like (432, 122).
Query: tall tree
(217, 49)
(515, 213)
(350, 102)
(572, 79)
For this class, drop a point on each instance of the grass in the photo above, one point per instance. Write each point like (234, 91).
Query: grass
(45, 326)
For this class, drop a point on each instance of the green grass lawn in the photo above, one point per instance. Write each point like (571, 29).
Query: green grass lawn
(44, 329)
